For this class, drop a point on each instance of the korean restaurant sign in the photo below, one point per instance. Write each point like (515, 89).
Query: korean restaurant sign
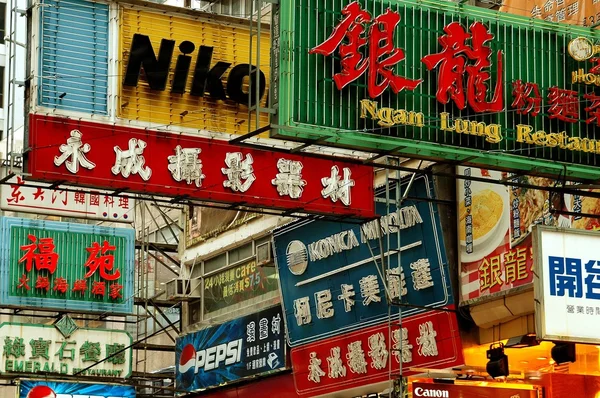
(328, 271)
(19, 196)
(33, 349)
(182, 166)
(567, 285)
(423, 80)
(60, 266)
(189, 71)
(54, 389)
(241, 348)
(495, 223)
(357, 359)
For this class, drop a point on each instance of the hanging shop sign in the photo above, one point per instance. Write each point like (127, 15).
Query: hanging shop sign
(575, 12)
(439, 80)
(567, 285)
(328, 271)
(469, 391)
(196, 70)
(190, 167)
(72, 46)
(238, 284)
(354, 360)
(65, 201)
(65, 350)
(60, 266)
(495, 223)
(244, 347)
(51, 389)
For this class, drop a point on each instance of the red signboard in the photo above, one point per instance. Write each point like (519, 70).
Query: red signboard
(465, 391)
(184, 166)
(428, 340)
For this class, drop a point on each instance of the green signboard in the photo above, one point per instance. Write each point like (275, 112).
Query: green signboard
(439, 80)
(56, 265)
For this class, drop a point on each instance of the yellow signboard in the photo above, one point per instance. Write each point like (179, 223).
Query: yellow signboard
(575, 12)
(190, 72)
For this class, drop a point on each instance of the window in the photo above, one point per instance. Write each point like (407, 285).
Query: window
(2, 22)
(215, 263)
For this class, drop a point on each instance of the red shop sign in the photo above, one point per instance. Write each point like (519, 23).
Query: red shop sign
(357, 359)
(176, 165)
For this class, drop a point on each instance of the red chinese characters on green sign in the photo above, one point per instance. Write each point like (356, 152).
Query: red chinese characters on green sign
(66, 266)
(40, 253)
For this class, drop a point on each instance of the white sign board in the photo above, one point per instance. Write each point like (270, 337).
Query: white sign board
(567, 285)
(28, 348)
(76, 202)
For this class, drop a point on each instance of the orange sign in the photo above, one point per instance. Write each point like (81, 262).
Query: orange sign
(575, 12)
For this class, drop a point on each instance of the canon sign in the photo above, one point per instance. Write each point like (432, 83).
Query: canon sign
(430, 392)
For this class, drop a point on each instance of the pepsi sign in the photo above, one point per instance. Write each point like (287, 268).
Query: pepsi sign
(48, 389)
(240, 348)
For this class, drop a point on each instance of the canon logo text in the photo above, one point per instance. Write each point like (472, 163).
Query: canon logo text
(421, 392)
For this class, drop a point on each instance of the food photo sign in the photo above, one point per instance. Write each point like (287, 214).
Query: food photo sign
(495, 223)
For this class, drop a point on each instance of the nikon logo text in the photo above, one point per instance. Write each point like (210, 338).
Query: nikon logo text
(421, 392)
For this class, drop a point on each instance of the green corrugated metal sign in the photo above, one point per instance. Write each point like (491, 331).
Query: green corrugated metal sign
(440, 80)
(54, 265)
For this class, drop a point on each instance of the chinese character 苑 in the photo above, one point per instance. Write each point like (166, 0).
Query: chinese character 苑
(452, 61)
(115, 353)
(314, 368)
(369, 289)
(239, 171)
(378, 351)
(289, 179)
(324, 304)
(302, 311)
(565, 276)
(347, 296)
(131, 161)
(186, 165)
(426, 340)
(105, 262)
(45, 259)
(90, 352)
(421, 274)
(356, 357)
(74, 149)
(337, 188)
(39, 348)
(382, 55)
(335, 364)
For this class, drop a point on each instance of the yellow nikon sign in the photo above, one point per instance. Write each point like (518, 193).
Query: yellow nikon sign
(189, 72)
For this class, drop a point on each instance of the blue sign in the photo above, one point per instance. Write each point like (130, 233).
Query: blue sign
(243, 347)
(331, 273)
(45, 389)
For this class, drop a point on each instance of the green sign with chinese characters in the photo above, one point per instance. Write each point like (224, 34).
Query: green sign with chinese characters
(28, 348)
(66, 266)
(443, 81)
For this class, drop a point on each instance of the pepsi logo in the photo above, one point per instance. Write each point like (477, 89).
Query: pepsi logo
(41, 392)
(187, 365)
